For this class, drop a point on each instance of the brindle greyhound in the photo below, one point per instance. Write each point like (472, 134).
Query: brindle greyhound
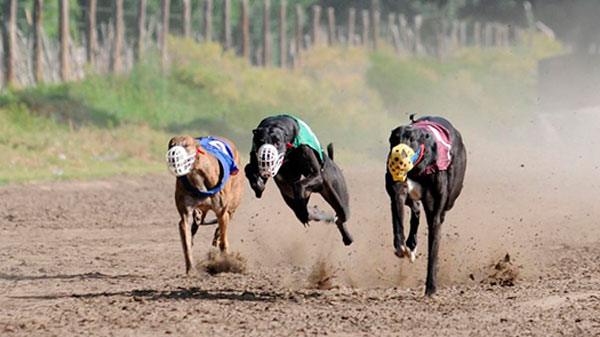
(302, 173)
(440, 186)
(191, 199)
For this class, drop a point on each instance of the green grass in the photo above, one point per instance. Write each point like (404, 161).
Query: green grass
(105, 125)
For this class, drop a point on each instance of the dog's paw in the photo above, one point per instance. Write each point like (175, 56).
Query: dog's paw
(413, 255)
(402, 252)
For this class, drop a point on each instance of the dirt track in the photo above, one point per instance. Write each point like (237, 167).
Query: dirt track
(103, 257)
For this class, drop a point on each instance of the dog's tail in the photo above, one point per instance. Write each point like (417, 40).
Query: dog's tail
(330, 150)
(412, 117)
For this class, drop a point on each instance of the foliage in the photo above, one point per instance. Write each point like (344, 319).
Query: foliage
(120, 124)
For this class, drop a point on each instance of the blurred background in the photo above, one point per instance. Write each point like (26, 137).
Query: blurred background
(94, 88)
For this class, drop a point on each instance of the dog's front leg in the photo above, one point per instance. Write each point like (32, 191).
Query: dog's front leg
(434, 204)
(186, 238)
(398, 194)
(303, 188)
(257, 183)
(415, 215)
(223, 224)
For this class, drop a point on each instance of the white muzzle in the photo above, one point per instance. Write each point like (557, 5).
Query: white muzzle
(179, 161)
(269, 160)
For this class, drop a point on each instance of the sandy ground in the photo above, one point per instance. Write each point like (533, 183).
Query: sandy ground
(104, 257)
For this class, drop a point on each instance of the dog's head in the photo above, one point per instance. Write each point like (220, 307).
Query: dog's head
(414, 146)
(273, 135)
(181, 155)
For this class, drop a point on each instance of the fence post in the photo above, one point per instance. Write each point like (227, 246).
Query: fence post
(118, 13)
(140, 29)
(164, 15)
(455, 33)
(186, 18)
(463, 34)
(331, 25)
(376, 16)
(391, 22)
(487, 35)
(365, 27)
(267, 33)
(207, 20)
(91, 33)
(64, 38)
(351, 23)
(38, 7)
(9, 28)
(477, 34)
(245, 29)
(298, 33)
(315, 24)
(404, 31)
(418, 24)
(283, 34)
(226, 24)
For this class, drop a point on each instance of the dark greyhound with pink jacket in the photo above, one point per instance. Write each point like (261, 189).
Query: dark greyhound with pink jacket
(426, 164)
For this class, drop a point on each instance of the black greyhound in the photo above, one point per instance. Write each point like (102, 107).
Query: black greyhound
(304, 171)
(437, 166)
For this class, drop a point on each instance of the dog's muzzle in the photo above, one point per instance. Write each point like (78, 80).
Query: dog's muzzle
(269, 160)
(179, 161)
(402, 159)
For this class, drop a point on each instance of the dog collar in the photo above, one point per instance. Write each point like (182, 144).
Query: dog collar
(419, 155)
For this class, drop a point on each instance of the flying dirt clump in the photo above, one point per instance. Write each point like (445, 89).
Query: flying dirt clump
(503, 273)
(217, 262)
(321, 276)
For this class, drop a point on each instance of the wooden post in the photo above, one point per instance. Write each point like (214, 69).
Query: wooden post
(186, 18)
(116, 57)
(455, 33)
(315, 24)
(391, 23)
(207, 20)
(267, 33)
(351, 23)
(477, 34)
(404, 31)
(140, 29)
(245, 17)
(376, 28)
(418, 25)
(365, 27)
(226, 24)
(487, 35)
(164, 16)
(282, 34)
(463, 34)
(91, 34)
(298, 34)
(38, 7)
(331, 26)
(9, 41)
(63, 33)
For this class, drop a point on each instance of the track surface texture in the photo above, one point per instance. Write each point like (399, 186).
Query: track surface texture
(104, 257)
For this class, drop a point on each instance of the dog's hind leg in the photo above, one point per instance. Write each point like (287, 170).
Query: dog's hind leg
(415, 214)
(341, 210)
(315, 214)
(186, 239)
(434, 211)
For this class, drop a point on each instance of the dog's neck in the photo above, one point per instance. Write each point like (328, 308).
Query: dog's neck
(206, 172)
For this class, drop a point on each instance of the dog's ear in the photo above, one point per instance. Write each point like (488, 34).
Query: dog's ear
(255, 131)
(172, 142)
(395, 137)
